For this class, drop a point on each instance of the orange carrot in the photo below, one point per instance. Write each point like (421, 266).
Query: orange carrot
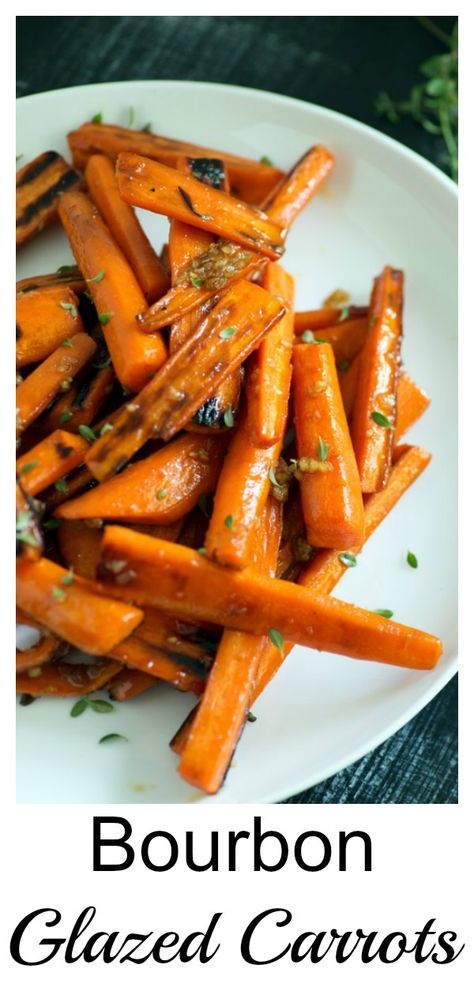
(220, 343)
(44, 318)
(326, 569)
(135, 652)
(80, 404)
(126, 228)
(346, 338)
(181, 581)
(44, 651)
(52, 376)
(374, 413)
(348, 378)
(65, 277)
(270, 370)
(127, 683)
(148, 184)
(412, 402)
(115, 290)
(161, 488)
(299, 186)
(326, 317)
(53, 457)
(39, 185)
(330, 489)
(80, 547)
(73, 608)
(65, 679)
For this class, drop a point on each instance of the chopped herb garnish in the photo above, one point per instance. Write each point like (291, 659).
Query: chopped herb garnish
(197, 281)
(203, 504)
(202, 551)
(307, 336)
(348, 559)
(97, 119)
(87, 294)
(58, 593)
(229, 522)
(99, 276)
(344, 314)
(27, 539)
(272, 478)
(26, 699)
(343, 364)
(64, 417)
(131, 117)
(99, 705)
(266, 161)
(67, 306)
(105, 317)
(51, 523)
(69, 270)
(29, 466)
(105, 364)
(78, 708)
(384, 612)
(162, 493)
(229, 417)
(323, 449)
(381, 419)
(148, 127)
(106, 428)
(227, 333)
(277, 639)
(87, 433)
(373, 319)
(19, 156)
(67, 578)
(412, 560)
(61, 485)
(251, 717)
(68, 342)
(113, 737)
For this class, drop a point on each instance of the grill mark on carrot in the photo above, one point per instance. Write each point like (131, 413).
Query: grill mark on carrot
(38, 167)
(47, 198)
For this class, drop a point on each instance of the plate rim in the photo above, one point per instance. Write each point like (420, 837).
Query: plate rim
(451, 189)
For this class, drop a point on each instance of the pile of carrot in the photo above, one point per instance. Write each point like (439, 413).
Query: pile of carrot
(198, 463)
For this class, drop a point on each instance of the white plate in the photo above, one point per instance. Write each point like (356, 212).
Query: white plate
(384, 204)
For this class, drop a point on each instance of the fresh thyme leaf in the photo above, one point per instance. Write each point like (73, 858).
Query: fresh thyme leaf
(97, 119)
(271, 476)
(51, 523)
(67, 578)
(106, 428)
(69, 270)
(380, 419)
(113, 737)
(99, 276)
(131, 117)
(148, 127)
(26, 699)
(229, 522)
(64, 417)
(197, 281)
(87, 433)
(307, 336)
(202, 550)
(277, 639)
(266, 161)
(67, 306)
(61, 485)
(58, 593)
(348, 559)
(19, 157)
(27, 539)
(412, 560)
(68, 342)
(229, 417)
(29, 466)
(78, 708)
(227, 333)
(323, 449)
(162, 493)
(344, 314)
(105, 317)
(99, 705)
(384, 612)
(105, 363)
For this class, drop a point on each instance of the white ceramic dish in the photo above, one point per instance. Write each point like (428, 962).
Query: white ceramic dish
(384, 204)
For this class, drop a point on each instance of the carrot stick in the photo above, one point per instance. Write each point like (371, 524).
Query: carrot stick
(250, 180)
(115, 290)
(325, 317)
(224, 705)
(63, 679)
(44, 318)
(80, 547)
(240, 497)
(326, 569)
(125, 228)
(220, 343)
(76, 611)
(46, 650)
(299, 186)
(135, 652)
(412, 402)
(66, 277)
(178, 580)
(270, 372)
(154, 187)
(39, 186)
(161, 488)
(330, 489)
(53, 375)
(348, 378)
(128, 683)
(53, 457)
(80, 404)
(374, 414)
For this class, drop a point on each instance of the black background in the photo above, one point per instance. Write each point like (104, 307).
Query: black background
(338, 62)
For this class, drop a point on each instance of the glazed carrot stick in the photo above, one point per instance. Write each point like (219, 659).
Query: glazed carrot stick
(125, 228)
(74, 610)
(135, 652)
(127, 683)
(65, 679)
(241, 493)
(330, 489)
(161, 488)
(270, 366)
(80, 547)
(65, 277)
(220, 343)
(148, 184)
(325, 317)
(412, 402)
(44, 318)
(115, 290)
(74, 483)
(224, 705)
(179, 580)
(80, 404)
(374, 413)
(250, 180)
(348, 378)
(299, 186)
(39, 186)
(52, 376)
(46, 650)
(346, 338)
(53, 457)
(175, 639)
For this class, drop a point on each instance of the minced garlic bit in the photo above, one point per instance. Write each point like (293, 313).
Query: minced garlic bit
(213, 268)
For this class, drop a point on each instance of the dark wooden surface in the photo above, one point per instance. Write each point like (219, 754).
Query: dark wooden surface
(338, 62)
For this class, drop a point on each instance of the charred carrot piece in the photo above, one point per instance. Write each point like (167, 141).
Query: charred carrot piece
(326, 569)
(53, 457)
(179, 580)
(135, 652)
(53, 375)
(45, 651)
(126, 228)
(39, 185)
(224, 705)
(240, 497)
(128, 683)
(299, 186)
(330, 488)
(80, 404)
(44, 319)
(412, 402)
(270, 372)
(325, 317)
(73, 608)
(148, 184)
(250, 180)
(374, 413)
(207, 169)
(115, 291)
(65, 277)
(191, 375)
(63, 679)
(161, 488)
(80, 547)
